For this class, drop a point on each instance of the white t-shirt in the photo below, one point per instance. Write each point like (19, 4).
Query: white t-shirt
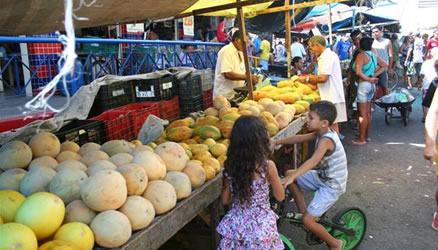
(229, 60)
(428, 70)
(280, 50)
(418, 56)
(297, 49)
(333, 89)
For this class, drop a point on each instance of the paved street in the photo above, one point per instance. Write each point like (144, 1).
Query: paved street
(390, 180)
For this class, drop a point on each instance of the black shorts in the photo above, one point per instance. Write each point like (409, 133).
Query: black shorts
(427, 100)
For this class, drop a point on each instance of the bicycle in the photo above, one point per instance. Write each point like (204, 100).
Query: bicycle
(348, 225)
(394, 81)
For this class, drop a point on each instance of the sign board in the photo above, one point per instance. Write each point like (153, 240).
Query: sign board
(138, 27)
(188, 26)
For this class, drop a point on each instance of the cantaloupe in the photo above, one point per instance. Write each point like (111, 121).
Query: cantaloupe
(17, 236)
(211, 111)
(70, 146)
(88, 147)
(67, 184)
(152, 163)
(135, 177)
(265, 102)
(93, 156)
(58, 244)
(15, 154)
(36, 180)
(141, 148)
(282, 119)
(195, 172)
(173, 156)
(116, 146)
(77, 211)
(99, 166)
(42, 212)
(79, 234)
(220, 102)
(71, 164)
(139, 211)
(162, 195)
(68, 155)
(11, 179)
(10, 201)
(181, 183)
(104, 190)
(273, 108)
(111, 229)
(121, 159)
(254, 111)
(45, 143)
(44, 161)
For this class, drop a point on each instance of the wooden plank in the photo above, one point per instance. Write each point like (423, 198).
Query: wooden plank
(243, 38)
(165, 226)
(297, 6)
(288, 38)
(292, 129)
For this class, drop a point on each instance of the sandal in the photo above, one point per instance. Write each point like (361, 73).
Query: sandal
(358, 143)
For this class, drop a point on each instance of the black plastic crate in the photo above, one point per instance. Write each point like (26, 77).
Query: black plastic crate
(190, 87)
(153, 90)
(190, 105)
(116, 95)
(83, 131)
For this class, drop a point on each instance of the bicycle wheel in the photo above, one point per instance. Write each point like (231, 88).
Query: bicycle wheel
(352, 218)
(286, 242)
(393, 83)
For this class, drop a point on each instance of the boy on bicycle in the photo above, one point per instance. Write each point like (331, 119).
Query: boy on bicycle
(325, 173)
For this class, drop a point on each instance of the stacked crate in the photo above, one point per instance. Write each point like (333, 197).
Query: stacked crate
(190, 94)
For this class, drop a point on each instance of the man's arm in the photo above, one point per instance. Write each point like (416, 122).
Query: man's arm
(390, 55)
(430, 129)
(233, 76)
(313, 79)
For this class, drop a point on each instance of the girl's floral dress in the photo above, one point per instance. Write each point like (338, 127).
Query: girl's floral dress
(251, 225)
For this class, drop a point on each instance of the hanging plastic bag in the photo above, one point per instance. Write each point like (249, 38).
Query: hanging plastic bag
(152, 129)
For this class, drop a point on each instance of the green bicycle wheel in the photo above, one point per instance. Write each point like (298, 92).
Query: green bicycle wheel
(351, 218)
(286, 242)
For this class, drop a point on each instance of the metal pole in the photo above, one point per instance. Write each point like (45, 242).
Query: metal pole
(175, 23)
(330, 25)
(26, 73)
(288, 38)
(245, 50)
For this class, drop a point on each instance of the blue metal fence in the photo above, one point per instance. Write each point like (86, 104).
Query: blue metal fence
(107, 56)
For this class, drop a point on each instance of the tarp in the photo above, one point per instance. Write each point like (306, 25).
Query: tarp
(249, 11)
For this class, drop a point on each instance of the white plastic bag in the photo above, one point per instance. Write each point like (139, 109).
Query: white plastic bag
(152, 129)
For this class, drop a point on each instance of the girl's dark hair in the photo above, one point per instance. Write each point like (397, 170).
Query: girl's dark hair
(249, 149)
(366, 43)
(295, 60)
(406, 39)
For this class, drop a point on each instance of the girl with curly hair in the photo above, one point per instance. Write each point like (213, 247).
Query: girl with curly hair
(250, 224)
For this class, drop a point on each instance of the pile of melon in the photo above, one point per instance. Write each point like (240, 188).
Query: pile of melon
(63, 195)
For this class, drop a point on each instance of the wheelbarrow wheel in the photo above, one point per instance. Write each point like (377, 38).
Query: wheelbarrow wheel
(405, 114)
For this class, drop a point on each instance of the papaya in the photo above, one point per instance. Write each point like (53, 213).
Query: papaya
(285, 83)
(207, 120)
(209, 131)
(306, 89)
(260, 95)
(298, 108)
(198, 139)
(160, 140)
(190, 141)
(179, 133)
(231, 116)
(180, 123)
(225, 123)
(226, 131)
(268, 88)
(268, 118)
(196, 148)
(304, 104)
(272, 129)
(308, 98)
(288, 98)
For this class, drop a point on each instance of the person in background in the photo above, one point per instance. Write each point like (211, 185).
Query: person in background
(199, 36)
(383, 47)
(416, 57)
(343, 48)
(230, 69)
(404, 54)
(352, 78)
(432, 43)
(329, 78)
(257, 41)
(430, 136)
(220, 32)
(208, 33)
(280, 53)
(265, 48)
(249, 179)
(425, 37)
(395, 53)
(427, 76)
(297, 49)
(297, 64)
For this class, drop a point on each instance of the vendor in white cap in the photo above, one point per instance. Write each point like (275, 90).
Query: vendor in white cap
(230, 69)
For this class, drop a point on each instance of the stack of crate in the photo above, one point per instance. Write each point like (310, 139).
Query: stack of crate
(190, 94)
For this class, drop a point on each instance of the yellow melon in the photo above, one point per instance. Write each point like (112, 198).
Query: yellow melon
(116, 146)
(68, 155)
(45, 143)
(44, 161)
(265, 102)
(77, 211)
(211, 111)
(137, 143)
(282, 119)
(173, 155)
(71, 164)
(36, 180)
(141, 148)
(10, 201)
(213, 163)
(220, 102)
(272, 129)
(92, 156)
(77, 233)
(67, 184)
(15, 154)
(222, 160)
(162, 195)
(11, 179)
(88, 147)
(104, 190)
(42, 212)
(210, 173)
(195, 172)
(17, 236)
(196, 148)
(181, 183)
(273, 108)
(70, 146)
(209, 142)
(218, 149)
(121, 159)
(152, 163)
(111, 228)
(135, 177)
(99, 166)
(139, 211)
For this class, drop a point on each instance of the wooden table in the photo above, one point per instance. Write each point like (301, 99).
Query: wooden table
(165, 226)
